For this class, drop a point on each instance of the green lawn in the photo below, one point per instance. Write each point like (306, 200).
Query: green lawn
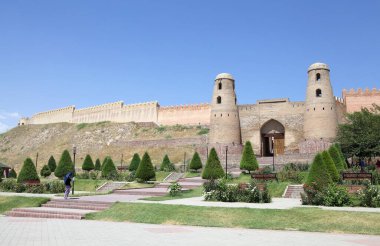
(276, 189)
(185, 194)
(88, 184)
(192, 174)
(136, 185)
(160, 175)
(9, 202)
(302, 219)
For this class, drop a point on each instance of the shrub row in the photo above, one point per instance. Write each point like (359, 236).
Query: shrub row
(11, 185)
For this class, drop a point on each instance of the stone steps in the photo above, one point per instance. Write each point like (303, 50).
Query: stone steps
(293, 191)
(110, 186)
(143, 192)
(173, 177)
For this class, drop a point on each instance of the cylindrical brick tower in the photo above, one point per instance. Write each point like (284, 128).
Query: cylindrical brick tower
(225, 121)
(320, 119)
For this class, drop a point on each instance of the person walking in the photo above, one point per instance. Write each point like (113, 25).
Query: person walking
(67, 180)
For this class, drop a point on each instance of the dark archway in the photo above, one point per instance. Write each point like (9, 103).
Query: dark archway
(272, 138)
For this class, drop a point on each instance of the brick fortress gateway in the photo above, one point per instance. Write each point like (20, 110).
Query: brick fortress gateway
(292, 131)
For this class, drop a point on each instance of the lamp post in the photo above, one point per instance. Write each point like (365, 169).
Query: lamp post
(36, 160)
(226, 159)
(273, 151)
(184, 159)
(121, 163)
(74, 153)
(206, 153)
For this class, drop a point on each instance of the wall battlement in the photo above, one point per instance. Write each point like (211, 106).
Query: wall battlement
(360, 92)
(355, 100)
(54, 111)
(190, 107)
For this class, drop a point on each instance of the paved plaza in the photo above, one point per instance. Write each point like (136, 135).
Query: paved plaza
(32, 231)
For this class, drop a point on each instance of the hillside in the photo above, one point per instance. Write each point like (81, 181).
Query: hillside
(99, 140)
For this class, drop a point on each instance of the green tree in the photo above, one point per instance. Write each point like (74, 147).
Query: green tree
(134, 162)
(12, 173)
(98, 166)
(248, 160)
(360, 136)
(52, 164)
(145, 171)
(104, 162)
(196, 162)
(88, 164)
(108, 168)
(166, 165)
(318, 173)
(65, 165)
(45, 171)
(336, 157)
(213, 168)
(330, 166)
(28, 172)
(337, 145)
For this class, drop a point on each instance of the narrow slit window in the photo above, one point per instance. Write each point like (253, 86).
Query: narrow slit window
(318, 93)
(220, 85)
(318, 77)
(219, 100)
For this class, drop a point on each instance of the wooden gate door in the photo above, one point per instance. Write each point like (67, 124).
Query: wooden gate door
(279, 146)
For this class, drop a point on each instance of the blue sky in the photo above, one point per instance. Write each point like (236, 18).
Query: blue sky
(83, 53)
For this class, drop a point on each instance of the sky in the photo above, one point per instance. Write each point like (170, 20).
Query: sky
(84, 53)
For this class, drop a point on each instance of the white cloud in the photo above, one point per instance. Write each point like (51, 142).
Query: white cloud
(6, 115)
(14, 115)
(3, 127)
(2, 117)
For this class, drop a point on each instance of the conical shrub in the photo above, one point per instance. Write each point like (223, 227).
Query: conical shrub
(98, 166)
(12, 173)
(88, 164)
(337, 159)
(65, 165)
(52, 164)
(196, 162)
(145, 171)
(28, 172)
(213, 168)
(330, 166)
(248, 160)
(166, 165)
(108, 168)
(134, 162)
(318, 173)
(341, 155)
(45, 171)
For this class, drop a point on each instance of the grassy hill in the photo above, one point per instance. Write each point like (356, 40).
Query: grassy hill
(98, 140)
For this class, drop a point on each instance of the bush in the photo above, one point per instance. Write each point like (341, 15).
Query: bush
(370, 197)
(12, 174)
(52, 164)
(84, 175)
(97, 165)
(166, 165)
(318, 175)
(28, 172)
(341, 155)
(134, 162)
(174, 189)
(88, 164)
(8, 185)
(109, 169)
(248, 160)
(94, 174)
(196, 162)
(293, 172)
(45, 171)
(131, 176)
(331, 195)
(65, 165)
(330, 166)
(337, 158)
(145, 171)
(213, 169)
(55, 186)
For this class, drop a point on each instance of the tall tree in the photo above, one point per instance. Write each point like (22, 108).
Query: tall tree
(213, 168)
(248, 160)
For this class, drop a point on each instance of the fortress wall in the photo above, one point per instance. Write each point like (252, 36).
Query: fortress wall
(289, 114)
(141, 112)
(356, 100)
(198, 114)
(340, 110)
(52, 116)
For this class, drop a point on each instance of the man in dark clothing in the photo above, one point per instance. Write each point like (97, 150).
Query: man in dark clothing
(67, 179)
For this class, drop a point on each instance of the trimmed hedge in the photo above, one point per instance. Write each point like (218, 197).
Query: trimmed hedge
(166, 165)
(318, 173)
(336, 157)
(330, 166)
(28, 172)
(196, 162)
(98, 166)
(109, 168)
(45, 171)
(88, 164)
(248, 160)
(65, 165)
(134, 162)
(341, 155)
(145, 171)
(12, 173)
(52, 164)
(213, 168)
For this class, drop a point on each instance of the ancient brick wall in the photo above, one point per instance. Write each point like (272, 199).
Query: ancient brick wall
(198, 114)
(356, 100)
(51, 116)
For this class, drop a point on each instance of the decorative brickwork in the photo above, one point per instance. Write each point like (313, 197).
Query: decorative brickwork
(356, 100)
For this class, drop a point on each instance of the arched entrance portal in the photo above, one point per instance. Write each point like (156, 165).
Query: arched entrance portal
(272, 138)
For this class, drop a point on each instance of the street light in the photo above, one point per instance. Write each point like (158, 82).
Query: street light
(226, 160)
(184, 159)
(273, 151)
(74, 153)
(36, 159)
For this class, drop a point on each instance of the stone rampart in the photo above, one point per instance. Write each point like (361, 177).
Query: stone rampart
(198, 114)
(51, 116)
(356, 100)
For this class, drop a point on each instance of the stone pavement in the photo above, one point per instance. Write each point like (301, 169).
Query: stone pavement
(33, 231)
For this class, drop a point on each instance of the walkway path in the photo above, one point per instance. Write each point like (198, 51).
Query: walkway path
(32, 231)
